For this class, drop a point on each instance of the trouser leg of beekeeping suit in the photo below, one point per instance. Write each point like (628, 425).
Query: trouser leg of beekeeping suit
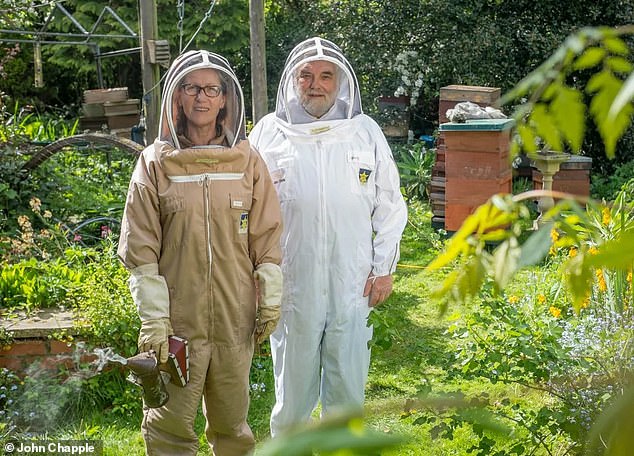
(345, 360)
(296, 366)
(169, 430)
(226, 401)
(308, 350)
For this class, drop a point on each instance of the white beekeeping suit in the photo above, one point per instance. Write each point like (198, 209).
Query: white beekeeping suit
(343, 216)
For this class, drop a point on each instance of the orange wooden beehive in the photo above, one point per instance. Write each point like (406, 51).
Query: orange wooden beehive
(477, 165)
(450, 96)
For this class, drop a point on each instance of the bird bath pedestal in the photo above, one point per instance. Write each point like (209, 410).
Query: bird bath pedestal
(548, 164)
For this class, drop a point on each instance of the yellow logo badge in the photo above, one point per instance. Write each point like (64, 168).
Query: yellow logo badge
(364, 175)
(244, 223)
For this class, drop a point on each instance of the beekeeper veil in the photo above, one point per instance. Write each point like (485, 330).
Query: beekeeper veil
(347, 103)
(230, 117)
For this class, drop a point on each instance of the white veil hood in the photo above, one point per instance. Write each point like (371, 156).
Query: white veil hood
(233, 123)
(348, 101)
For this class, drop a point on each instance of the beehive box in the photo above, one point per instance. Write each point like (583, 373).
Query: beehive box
(103, 95)
(119, 108)
(449, 96)
(477, 165)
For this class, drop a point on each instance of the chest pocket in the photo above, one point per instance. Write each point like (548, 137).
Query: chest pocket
(240, 205)
(172, 203)
(361, 171)
(283, 176)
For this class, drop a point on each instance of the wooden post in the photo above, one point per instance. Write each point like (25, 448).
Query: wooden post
(38, 80)
(150, 71)
(259, 97)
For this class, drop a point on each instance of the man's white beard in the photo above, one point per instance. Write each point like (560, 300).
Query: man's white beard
(317, 107)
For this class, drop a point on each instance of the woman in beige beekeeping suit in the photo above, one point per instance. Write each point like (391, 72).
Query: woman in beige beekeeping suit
(201, 221)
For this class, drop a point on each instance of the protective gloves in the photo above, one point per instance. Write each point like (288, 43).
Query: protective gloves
(150, 294)
(153, 335)
(269, 277)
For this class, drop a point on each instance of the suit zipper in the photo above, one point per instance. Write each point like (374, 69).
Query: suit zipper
(205, 182)
(322, 208)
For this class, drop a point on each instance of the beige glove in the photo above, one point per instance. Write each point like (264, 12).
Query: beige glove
(154, 336)
(269, 277)
(151, 296)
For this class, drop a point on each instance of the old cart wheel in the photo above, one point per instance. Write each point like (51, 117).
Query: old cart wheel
(82, 140)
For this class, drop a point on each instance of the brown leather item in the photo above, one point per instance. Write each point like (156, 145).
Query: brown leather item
(177, 364)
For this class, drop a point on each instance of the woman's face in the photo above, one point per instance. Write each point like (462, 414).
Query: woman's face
(196, 98)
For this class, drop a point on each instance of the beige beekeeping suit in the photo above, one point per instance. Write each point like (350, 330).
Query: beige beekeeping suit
(198, 222)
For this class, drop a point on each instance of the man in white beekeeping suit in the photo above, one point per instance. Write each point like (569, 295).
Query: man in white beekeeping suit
(343, 216)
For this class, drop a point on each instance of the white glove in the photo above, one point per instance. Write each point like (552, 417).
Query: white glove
(269, 277)
(151, 296)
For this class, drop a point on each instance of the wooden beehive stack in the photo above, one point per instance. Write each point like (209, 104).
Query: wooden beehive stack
(477, 165)
(449, 97)
(110, 109)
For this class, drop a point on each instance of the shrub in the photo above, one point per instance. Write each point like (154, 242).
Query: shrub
(415, 164)
(606, 186)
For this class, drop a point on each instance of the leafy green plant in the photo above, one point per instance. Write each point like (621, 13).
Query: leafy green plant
(30, 285)
(536, 341)
(106, 314)
(42, 266)
(26, 123)
(415, 164)
(555, 111)
(606, 186)
(346, 433)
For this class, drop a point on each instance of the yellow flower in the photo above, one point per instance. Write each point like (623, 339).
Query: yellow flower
(554, 311)
(586, 302)
(27, 237)
(593, 250)
(554, 235)
(629, 277)
(572, 252)
(35, 204)
(541, 299)
(607, 215)
(601, 280)
(513, 299)
(24, 221)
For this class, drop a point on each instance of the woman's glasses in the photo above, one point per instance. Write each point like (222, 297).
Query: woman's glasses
(193, 90)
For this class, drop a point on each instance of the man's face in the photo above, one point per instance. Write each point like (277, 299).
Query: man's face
(317, 86)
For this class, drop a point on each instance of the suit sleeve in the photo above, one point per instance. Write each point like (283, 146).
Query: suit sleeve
(265, 218)
(140, 243)
(389, 216)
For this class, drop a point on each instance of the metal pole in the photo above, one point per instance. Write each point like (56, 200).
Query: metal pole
(259, 97)
(150, 71)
